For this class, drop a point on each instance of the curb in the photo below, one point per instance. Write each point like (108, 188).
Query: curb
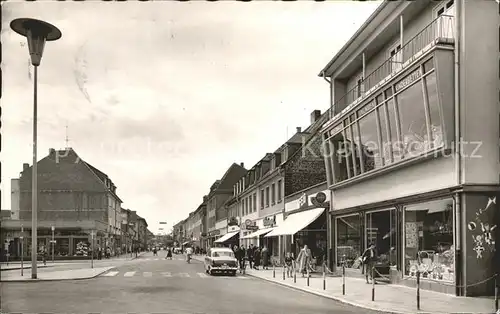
(324, 295)
(29, 267)
(61, 279)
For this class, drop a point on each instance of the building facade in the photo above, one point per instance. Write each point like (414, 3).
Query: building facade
(74, 198)
(296, 165)
(195, 224)
(220, 192)
(411, 148)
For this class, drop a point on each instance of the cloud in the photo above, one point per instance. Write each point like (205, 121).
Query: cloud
(164, 100)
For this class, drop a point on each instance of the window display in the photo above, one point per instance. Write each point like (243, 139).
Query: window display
(429, 246)
(348, 241)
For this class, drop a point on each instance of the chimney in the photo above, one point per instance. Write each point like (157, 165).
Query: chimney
(315, 115)
(299, 129)
(242, 165)
(25, 166)
(51, 151)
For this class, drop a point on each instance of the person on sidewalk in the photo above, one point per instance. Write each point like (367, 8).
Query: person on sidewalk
(304, 259)
(250, 256)
(265, 258)
(169, 253)
(243, 257)
(256, 258)
(368, 259)
(289, 264)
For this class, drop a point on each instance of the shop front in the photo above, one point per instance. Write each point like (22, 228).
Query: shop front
(211, 237)
(449, 240)
(264, 226)
(247, 228)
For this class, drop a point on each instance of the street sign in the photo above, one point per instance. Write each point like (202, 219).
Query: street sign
(53, 241)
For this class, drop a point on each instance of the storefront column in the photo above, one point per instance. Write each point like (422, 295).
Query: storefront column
(331, 256)
(71, 251)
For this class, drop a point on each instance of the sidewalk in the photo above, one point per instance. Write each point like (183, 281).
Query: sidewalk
(44, 275)
(27, 263)
(388, 298)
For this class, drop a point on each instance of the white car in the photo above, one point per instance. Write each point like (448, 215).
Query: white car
(221, 260)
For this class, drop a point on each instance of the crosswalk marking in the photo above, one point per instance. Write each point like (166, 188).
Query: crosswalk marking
(167, 274)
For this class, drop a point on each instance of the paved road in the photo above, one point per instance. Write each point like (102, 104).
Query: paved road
(147, 285)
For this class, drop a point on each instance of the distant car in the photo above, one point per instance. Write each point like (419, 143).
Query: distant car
(177, 250)
(221, 260)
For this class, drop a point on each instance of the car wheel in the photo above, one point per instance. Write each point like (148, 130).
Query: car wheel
(233, 274)
(210, 272)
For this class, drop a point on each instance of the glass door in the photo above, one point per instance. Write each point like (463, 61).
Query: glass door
(381, 231)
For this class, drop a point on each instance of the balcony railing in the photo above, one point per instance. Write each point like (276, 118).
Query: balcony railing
(439, 31)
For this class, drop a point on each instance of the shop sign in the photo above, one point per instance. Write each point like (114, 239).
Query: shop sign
(252, 228)
(233, 221)
(269, 221)
(303, 200)
(319, 200)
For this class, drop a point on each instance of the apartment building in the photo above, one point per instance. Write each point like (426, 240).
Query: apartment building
(195, 224)
(294, 166)
(412, 144)
(216, 217)
(74, 198)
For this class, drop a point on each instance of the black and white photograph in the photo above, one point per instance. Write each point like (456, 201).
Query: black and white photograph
(250, 157)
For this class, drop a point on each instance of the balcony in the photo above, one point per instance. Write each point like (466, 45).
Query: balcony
(439, 32)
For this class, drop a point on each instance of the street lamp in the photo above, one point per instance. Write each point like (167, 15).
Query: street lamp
(37, 33)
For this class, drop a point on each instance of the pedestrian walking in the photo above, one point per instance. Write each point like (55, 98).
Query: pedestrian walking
(169, 253)
(256, 258)
(304, 258)
(265, 258)
(250, 256)
(368, 258)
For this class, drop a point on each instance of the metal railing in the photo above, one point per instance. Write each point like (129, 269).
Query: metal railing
(439, 31)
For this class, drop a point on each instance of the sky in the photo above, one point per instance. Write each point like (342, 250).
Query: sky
(164, 96)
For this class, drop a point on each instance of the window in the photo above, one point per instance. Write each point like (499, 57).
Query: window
(411, 110)
(428, 232)
(369, 137)
(445, 22)
(246, 206)
(396, 55)
(434, 111)
(250, 207)
(273, 194)
(261, 198)
(280, 187)
(267, 196)
(403, 121)
(340, 157)
(254, 202)
(359, 87)
(349, 241)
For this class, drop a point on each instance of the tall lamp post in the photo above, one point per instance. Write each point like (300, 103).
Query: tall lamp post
(37, 33)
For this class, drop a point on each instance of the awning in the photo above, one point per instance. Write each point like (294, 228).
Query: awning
(296, 222)
(258, 233)
(226, 237)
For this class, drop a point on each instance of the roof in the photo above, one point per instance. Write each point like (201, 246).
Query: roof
(364, 29)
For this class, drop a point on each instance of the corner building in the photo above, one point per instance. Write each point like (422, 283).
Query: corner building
(411, 147)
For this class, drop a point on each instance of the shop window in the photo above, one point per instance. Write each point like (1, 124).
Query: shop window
(356, 150)
(381, 231)
(412, 118)
(349, 241)
(434, 111)
(429, 246)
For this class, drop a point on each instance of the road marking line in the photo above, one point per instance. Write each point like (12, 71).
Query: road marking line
(111, 273)
(203, 275)
(147, 274)
(129, 274)
(167, 274)
(184, 275)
